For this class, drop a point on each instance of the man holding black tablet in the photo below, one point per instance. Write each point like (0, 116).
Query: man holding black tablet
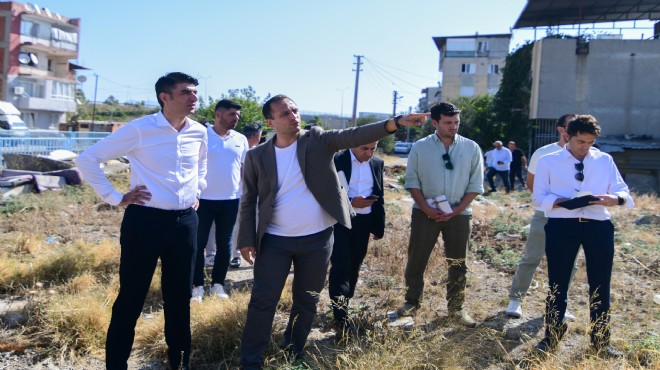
(574, 187)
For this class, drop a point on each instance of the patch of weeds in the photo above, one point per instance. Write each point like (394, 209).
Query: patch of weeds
(646, 349)
(381, 282)
(506, 259)
(402, 180)
(13, 205)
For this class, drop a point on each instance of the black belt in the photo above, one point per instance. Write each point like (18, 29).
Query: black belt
(578, 219)
(173, 212)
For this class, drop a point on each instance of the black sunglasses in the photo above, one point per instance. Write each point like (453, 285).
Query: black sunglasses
(580, 175)
(448, 164)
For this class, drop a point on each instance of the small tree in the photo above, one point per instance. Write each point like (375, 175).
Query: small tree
(111, 100)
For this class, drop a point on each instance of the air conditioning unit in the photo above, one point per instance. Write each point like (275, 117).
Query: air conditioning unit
(19, 90)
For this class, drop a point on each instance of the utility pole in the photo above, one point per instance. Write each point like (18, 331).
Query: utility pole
(357, 82)
(96, 85)
(395, 98)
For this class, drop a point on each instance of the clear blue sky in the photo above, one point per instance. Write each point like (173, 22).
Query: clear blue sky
(302, 48)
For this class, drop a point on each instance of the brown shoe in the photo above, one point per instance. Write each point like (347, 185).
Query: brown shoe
(463, 318)
(408, 309)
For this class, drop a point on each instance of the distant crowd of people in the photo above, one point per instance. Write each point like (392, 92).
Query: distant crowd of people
(313, 198)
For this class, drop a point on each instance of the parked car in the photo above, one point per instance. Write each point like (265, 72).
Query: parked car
(402, 147)
(10, 118)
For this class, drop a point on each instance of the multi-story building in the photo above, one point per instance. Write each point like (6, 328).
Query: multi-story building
(471, 65)
(430, 96)
(36, 45)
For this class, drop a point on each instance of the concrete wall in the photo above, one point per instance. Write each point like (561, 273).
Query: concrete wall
(618, 82)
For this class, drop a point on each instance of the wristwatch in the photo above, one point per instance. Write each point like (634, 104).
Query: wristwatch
(622, 200)
(396, 121)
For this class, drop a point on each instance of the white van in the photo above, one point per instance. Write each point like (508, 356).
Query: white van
(10, 118)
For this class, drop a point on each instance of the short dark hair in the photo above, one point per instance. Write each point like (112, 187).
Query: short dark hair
(583, 124)
(252, 129)
(447, 109)
(565, 119)
(227, 104)
(166, 83)
(265, 110)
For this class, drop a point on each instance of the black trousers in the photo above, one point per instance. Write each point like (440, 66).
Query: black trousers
(563, 240)
(515, 172)
(224, 213)
(504, 175)
(148, 234)
(348, 252)
(310, 255)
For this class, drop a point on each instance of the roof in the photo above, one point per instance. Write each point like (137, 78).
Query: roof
(620, 143)
(542, 13)
(440, 41)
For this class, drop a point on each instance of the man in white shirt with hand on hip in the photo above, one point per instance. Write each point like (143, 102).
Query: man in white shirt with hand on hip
(574, 172)
(167, 152)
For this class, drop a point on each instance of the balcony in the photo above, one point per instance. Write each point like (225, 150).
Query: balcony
(466, 54)
(53, 105)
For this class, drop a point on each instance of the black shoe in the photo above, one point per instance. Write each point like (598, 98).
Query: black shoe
(235, 262)
(551, 340)
(545, 346)
(345, 330)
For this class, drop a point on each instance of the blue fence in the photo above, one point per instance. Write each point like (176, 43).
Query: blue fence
(44, 142)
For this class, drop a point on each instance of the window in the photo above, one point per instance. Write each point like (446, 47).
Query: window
(62, 91)
(29, 28)
(493, 69)
(467, 91)
(469, 68)
(482, 46)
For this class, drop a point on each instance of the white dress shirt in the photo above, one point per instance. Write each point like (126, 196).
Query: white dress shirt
(501, 155)
(361, 182)
(171, 164)
(555, 178)
(225, 161)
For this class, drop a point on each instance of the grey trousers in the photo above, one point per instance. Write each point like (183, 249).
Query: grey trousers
(310, 256)
(534, 252)
(424, 234)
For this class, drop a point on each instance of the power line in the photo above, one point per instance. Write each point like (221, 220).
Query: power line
(399, 69)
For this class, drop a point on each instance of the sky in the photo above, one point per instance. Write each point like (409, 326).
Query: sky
(302, 48)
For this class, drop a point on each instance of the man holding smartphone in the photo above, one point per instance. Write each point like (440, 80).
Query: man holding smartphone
(364, 175)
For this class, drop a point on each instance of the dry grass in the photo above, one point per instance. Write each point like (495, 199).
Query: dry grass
(61, 250)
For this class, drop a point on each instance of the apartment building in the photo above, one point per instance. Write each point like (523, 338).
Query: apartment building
(471, 65)
(36, 45)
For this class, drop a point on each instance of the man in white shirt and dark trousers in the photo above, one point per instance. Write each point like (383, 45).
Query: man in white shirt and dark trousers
(535, 245)
(364, 174)
(500, 159)
(167, 152)
(291, 180)
(573, 172)
(219, 201)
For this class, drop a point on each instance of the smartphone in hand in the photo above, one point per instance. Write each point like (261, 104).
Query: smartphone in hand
(372, 197)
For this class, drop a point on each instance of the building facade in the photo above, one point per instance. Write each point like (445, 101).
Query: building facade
(471, 65)
(36, 45)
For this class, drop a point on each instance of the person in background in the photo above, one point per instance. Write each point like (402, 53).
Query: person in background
(500, 159)
(364, 174)
(518, 163)
(167, 151)
(535, 245)
(219, 202)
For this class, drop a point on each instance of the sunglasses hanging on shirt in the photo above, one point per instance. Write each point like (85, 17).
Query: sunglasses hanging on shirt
(448, 165)
(580, 168)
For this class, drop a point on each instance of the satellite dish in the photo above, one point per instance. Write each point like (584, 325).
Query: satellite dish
(82, 79)
(24, 58)
(34, 59)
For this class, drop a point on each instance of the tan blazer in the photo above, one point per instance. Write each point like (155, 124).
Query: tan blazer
(315, 152)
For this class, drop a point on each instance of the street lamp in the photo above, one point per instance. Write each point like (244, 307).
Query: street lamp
(342, 106)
